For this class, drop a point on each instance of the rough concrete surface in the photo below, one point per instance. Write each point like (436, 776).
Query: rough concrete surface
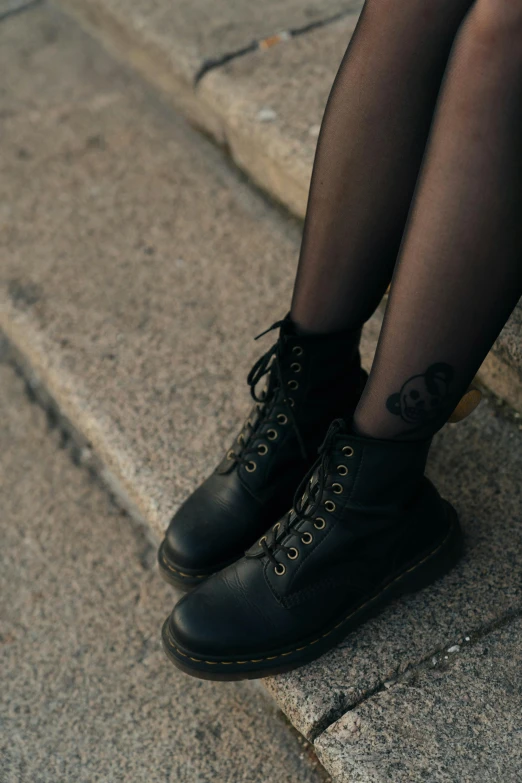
(137, 267)
(503, 376)
(271, 105)
(87, 693)
(509, 345)
(9, 7)
(197, 32)
(172, 44)
(457, 719)
(167, 264)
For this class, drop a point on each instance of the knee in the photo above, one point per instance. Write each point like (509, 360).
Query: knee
(494, 24)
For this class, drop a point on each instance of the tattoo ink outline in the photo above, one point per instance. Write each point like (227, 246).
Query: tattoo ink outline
(421, 396)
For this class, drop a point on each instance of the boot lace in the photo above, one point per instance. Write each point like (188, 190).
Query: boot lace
(268, 364)
(307, 500)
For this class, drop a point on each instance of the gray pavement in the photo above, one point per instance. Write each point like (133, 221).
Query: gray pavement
(455, 720)
(138, 266)
(87, 693)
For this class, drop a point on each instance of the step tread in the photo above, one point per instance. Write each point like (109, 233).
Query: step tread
(463, 707)
(138, 267)
(194, 34)
(82, 664)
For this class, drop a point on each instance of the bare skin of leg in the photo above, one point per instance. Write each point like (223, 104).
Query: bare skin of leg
(368, 157)
(459, 273)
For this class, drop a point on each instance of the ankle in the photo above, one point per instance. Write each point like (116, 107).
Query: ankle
(306, 331)
(303, 329)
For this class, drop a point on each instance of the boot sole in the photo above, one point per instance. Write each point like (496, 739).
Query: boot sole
(419, 574)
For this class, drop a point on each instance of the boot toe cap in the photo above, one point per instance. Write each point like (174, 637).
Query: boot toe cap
(205, 534)
(217, 619)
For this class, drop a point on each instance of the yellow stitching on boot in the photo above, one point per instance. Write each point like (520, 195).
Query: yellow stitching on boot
(309, 644)
(171, 568)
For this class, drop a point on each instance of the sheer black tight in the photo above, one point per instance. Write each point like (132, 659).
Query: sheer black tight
(456, 229)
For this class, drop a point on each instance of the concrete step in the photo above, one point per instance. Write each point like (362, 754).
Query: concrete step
(463, 706)
(258, 92)
(87, 693)
(137, 265)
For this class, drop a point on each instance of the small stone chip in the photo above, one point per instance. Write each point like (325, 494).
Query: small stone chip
(454, 649)
(266, 115)
(273, 40)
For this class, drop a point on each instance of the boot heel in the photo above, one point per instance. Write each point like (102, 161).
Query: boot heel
(437, 564)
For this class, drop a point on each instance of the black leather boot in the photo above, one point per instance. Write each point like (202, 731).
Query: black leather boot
(309, 380)
(367, 526)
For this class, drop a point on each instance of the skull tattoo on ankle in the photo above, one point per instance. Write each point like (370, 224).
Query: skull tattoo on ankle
(421, 397)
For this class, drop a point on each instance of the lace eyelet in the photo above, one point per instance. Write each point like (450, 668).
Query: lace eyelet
(280, 570)
(342, 470)
(291, 401)
(296, 367)
(262, 449)
(272, 434)
(241, 438)
(330, 506)
(230, 454)
(276, 527)
(251, 469)
(320, 523)
(282, 419)
(293, 385)
(298, 350)
(348, 451)
(337, 488)
(293, 554)
(260, 542)
(307, 538)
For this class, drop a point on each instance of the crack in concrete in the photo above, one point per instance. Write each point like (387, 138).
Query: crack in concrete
(264, 44)
(440, 656)
(19, 9)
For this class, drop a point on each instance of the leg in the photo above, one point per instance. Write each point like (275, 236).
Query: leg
(372, 140)
(460, 269)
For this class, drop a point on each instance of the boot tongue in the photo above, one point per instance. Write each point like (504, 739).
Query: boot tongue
(339, 428)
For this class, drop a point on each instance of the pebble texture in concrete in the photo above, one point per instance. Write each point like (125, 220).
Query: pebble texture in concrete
(457, 719)
(271, 104)
(9, 7)
(509, 345)
(137, 267)
(87, 693)
(197, 32)
(166, 263)
(174, 43)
